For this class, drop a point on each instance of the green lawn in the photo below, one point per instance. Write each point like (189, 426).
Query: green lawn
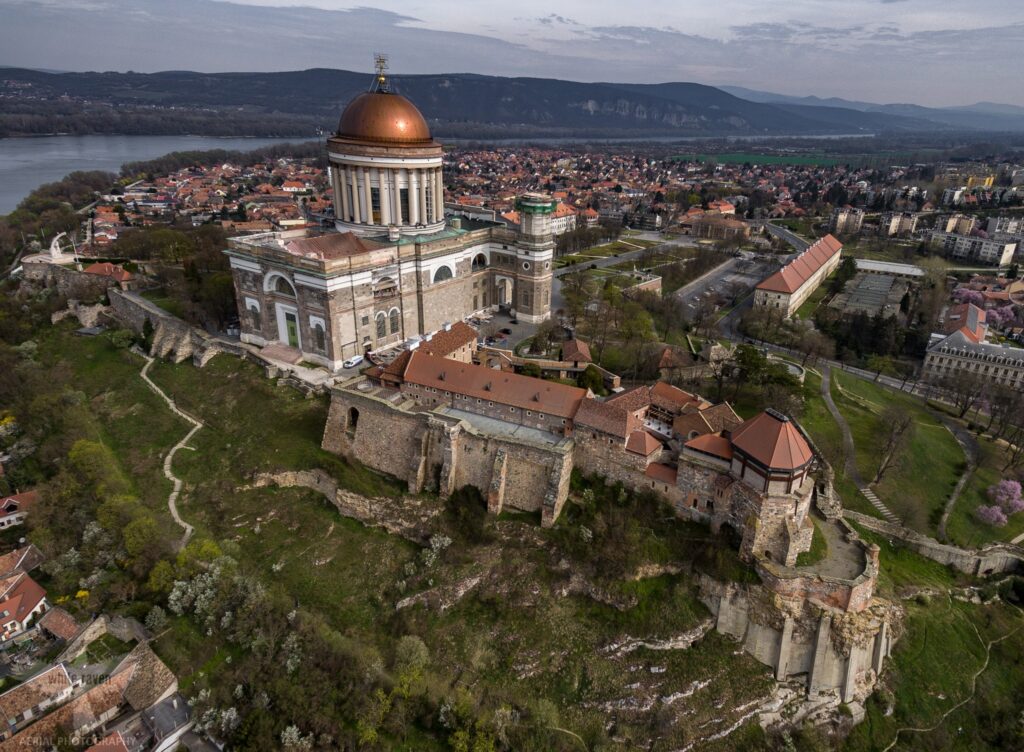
(172, 305)
(917, 488)
(125, 414)
(809, 306)
(963, 528)
(516, 638)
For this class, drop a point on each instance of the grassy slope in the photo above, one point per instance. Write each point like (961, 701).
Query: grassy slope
(515, 638)
(932, 664)
(962, 527)
(917, 488)
(129, 418)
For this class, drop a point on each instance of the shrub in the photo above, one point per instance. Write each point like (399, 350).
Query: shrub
(467, 512)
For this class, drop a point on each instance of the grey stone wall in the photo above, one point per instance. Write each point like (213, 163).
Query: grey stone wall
(993, 559)
(68, 281)
(838, 655)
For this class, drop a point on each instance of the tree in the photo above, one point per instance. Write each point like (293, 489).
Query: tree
(881, 364)
(965, 389)
(591, 379)
(895, 427)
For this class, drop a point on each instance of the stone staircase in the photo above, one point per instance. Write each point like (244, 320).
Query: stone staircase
(877, 504)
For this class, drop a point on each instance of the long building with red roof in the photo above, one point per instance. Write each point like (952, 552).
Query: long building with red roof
(788, 288)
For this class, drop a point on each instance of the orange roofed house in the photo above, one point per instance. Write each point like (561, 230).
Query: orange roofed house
(788, 288)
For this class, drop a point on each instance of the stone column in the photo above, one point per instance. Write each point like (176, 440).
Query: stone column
(399, 219)
(341, 206)
(424, 174)
(357, 197)
(414, 201)
(439, 195)
(384, 180)
(367, 206)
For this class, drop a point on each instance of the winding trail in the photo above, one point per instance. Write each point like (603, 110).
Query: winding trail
(969, 445)
(169, 459)
(974, 687)
(849, 449)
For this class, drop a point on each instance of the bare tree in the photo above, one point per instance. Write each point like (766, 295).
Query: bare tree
(965, 389)
(896, 428)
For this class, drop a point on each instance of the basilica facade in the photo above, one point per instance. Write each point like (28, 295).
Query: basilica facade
(394, 267)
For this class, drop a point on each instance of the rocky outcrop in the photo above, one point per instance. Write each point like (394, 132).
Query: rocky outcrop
(87, 315)
(838, 654)
(408, 517)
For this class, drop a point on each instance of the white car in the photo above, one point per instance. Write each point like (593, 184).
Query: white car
(353, 361)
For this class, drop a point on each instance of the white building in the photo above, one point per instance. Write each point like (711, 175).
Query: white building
(788, 288)
(898, 223)
(981, 250)
(846, 220)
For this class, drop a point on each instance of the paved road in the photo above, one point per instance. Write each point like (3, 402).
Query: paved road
(788, 235)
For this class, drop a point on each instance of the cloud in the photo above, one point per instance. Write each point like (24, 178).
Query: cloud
(877, 57)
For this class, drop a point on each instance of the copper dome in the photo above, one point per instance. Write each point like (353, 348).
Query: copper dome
(377, 116)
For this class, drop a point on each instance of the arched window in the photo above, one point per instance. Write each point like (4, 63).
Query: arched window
(394, 320)
(442, 274)
(353, 421)
(319, 338)
(479, 262)
(254, 317)
(382, 326)
(283, 287)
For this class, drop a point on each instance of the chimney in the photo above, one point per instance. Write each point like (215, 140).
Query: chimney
(447, 326)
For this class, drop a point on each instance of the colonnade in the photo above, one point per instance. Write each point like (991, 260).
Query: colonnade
(353, 195)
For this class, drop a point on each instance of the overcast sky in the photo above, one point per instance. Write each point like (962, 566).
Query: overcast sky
(934, 52)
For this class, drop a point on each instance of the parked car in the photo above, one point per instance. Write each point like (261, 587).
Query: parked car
(353, 361)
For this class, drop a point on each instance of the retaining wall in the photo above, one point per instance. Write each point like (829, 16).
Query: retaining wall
(997, 558)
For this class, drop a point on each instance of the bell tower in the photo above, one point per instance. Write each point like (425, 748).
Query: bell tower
(536, 251)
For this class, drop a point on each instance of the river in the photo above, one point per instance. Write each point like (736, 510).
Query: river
(27, 163)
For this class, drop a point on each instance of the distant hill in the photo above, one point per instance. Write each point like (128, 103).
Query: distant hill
(982, 116)
(464, 105)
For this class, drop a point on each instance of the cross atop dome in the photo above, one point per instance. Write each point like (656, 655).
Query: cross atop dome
(380, 79)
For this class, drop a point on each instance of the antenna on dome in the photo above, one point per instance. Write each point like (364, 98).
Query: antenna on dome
(380, 79)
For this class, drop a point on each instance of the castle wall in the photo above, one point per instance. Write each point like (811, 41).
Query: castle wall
(437, 453)
(68, 281)
(837, 654)
(992, 559)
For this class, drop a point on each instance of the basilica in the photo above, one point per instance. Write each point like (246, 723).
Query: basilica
(394, 268)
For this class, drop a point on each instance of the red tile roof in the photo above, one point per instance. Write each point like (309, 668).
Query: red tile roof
(19, 596)
(607, 418)
(60, 623)
(793, 275)
(774, 441)
(23, 559)
(333, 246)
(576, 350)
(663, 473)
(106, 269)
(445, 342)
(480, 382)
(642, 443)
(18, 503)
(713, 444)
(40, 689)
